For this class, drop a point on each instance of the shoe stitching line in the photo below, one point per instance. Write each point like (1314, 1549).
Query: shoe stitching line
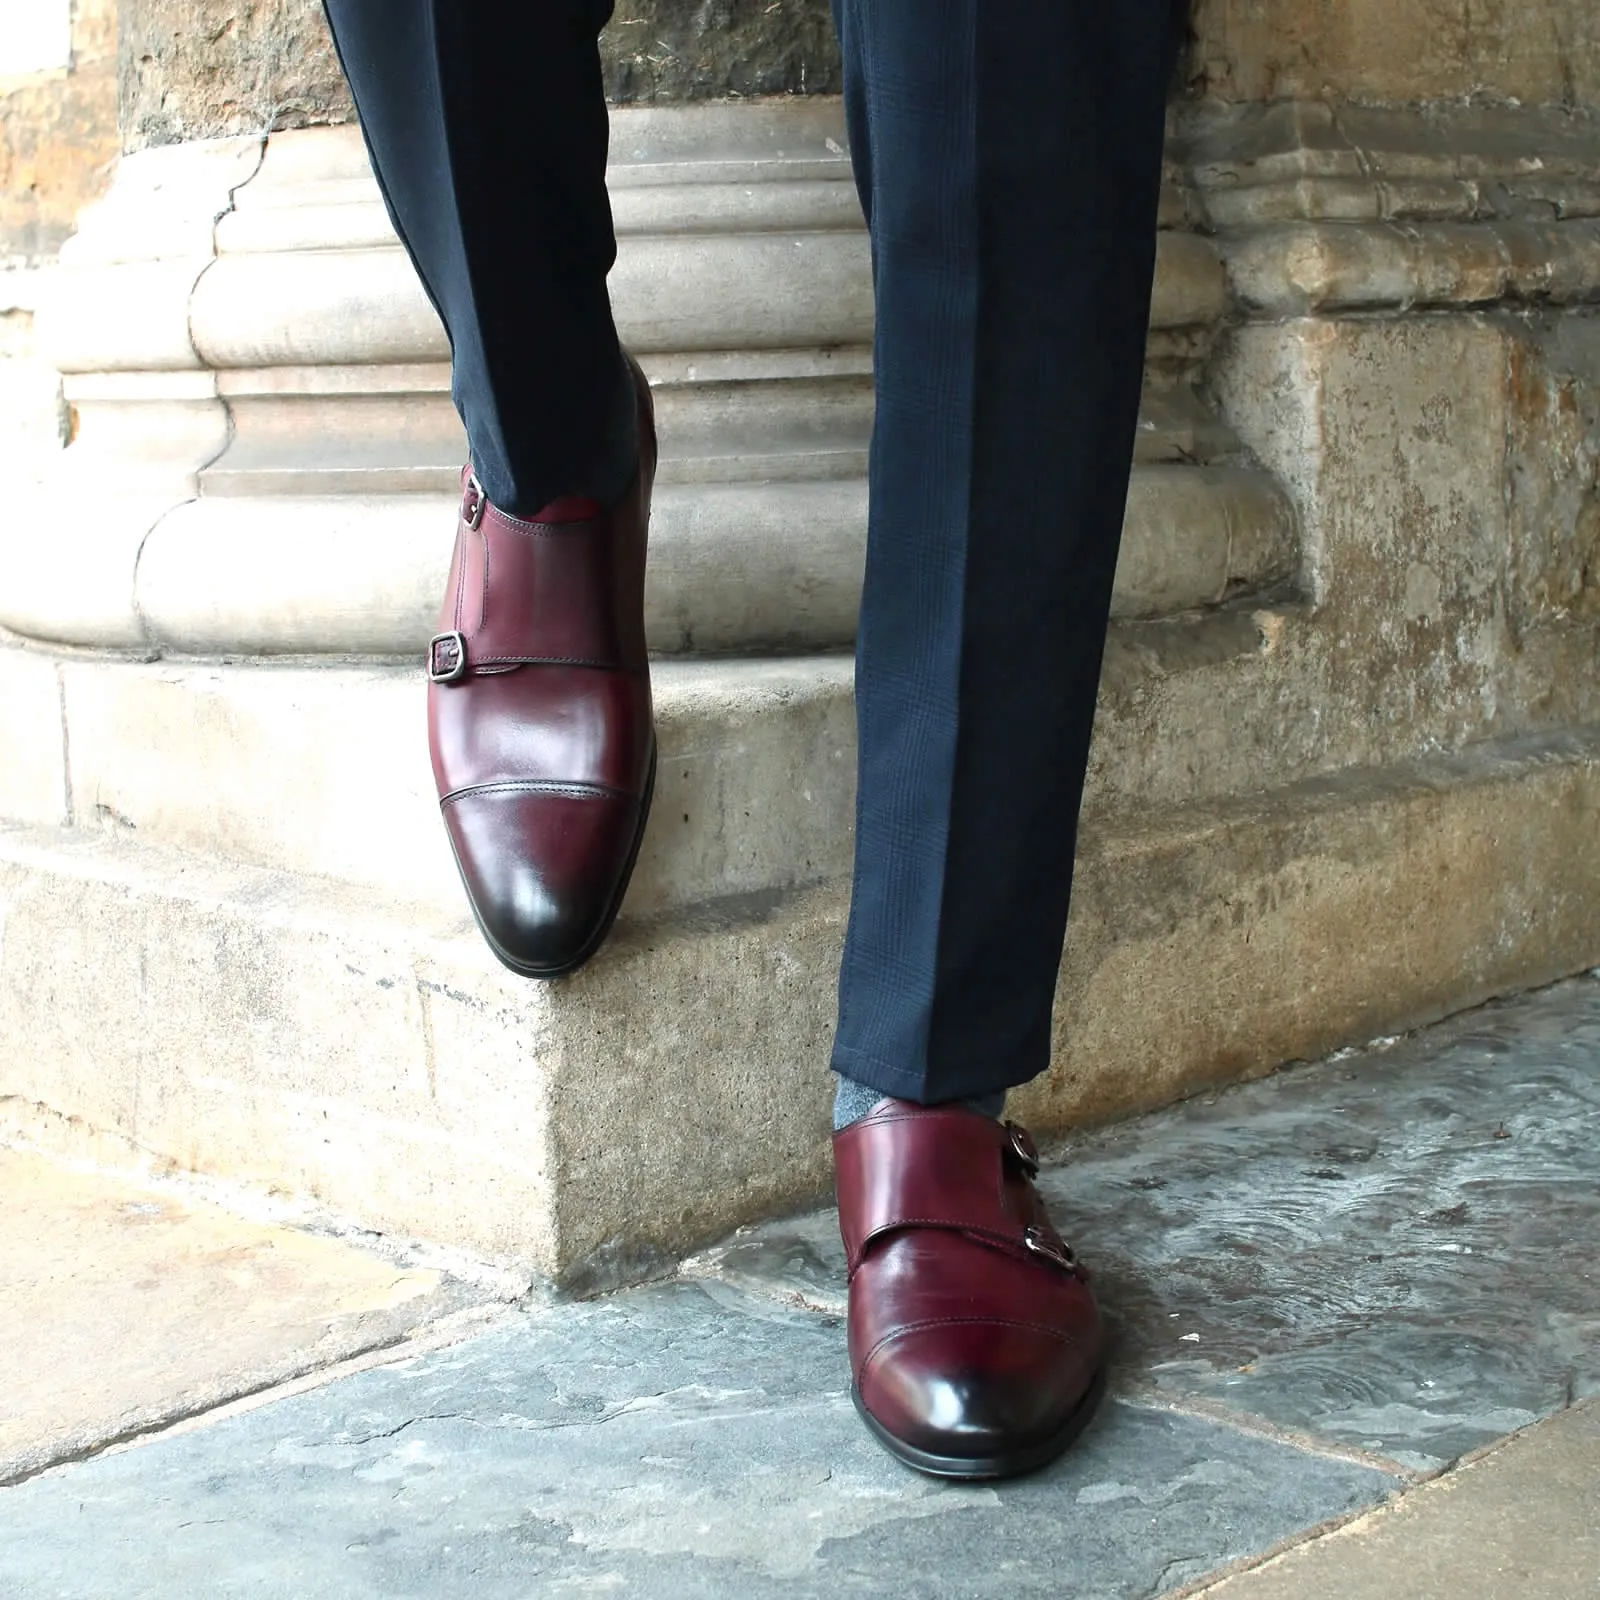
(574, 791)
(545, 530)
(481, 535)
(599, 663)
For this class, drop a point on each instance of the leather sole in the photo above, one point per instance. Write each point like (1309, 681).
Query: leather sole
(1009, 1464)
(598, 938)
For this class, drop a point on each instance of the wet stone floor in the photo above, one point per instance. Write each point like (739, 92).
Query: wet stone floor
(1325, 1286)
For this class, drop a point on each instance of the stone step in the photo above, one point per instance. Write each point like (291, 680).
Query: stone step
(324, 770)
(320, 767)
(328, 1040)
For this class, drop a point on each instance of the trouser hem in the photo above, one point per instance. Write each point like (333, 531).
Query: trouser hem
(905, 1084)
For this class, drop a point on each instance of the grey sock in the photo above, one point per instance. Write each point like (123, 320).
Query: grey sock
(852, 1101)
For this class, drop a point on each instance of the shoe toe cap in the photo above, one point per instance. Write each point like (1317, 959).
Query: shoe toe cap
(543, 868)
(975, 1391)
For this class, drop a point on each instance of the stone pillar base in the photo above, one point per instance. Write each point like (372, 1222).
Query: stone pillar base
(293, 1032)
(1346, 763)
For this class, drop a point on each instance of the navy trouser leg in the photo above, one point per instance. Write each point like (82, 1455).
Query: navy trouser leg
(1009, 155)
(487, 124)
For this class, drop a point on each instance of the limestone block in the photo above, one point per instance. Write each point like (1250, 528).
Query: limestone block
(1441, 471)
(32, 413)
(336, 430)
(1545, 52)
(121, 298)
(324, 770)
(1190, 285)
(1198, 535)
(751, 416)
(291, 310)
(1298, 268)
(1199, 709)
(736, 416)
(194, 69)
(722, 418)
(33, 771)
(725, 243)
(1252, 165)
(716, 292)
(1552, 389)
(730, 568)
(134, 460)
(282, 1038)
(688, 292)
(85, 595)
(130, 316)
(198, 69)
(747, 567)
(58, 119)
(293, 1032)
(321, 768)
(363, 574)
(277, 341)
(164, 204)
(275, 576)
(1209, 946)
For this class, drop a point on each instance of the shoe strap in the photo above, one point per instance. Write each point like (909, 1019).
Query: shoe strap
(525, 593)
(906, 1166)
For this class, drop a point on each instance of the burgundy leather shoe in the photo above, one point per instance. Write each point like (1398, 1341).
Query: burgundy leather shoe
(975, 1345)
(539, 715)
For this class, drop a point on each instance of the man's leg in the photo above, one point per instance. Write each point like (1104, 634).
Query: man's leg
(1009, 156)
(487, 127)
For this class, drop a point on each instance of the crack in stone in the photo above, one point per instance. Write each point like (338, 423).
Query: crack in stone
(1160, 1585)
(1149, 1398)
(515, 1425)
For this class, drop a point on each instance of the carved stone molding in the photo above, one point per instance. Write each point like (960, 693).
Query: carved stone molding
(1324, 208)
(261, 390)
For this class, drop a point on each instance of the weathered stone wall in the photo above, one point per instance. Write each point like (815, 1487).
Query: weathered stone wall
(58, 136)
(194, 69)
(1347, 761)
(1543, 52)
(197, 68)
(700, 49)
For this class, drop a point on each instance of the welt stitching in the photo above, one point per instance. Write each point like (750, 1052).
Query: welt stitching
(542, 530)
(483, 588)
(461, 572)
(574, 791)
(541, 661)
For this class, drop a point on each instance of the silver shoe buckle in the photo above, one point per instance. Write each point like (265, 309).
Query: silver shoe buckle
(447, 657)
(473, 502)
(1024, 1149)
(1053, 1250)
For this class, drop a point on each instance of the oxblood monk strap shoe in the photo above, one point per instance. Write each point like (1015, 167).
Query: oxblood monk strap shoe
(975, 1345)
(539, 715)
